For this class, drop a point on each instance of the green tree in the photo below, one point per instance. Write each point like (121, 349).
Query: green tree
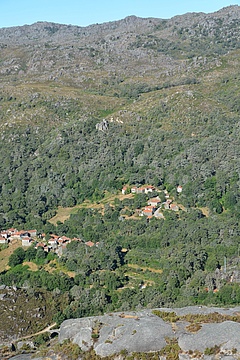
(229, 200)
(30, 253)
(17, 257)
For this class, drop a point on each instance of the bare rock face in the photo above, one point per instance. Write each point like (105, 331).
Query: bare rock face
(145, 332)
(79, 331)
(109, 334)
(226, 335)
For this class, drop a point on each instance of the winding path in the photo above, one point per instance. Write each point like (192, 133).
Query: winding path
(37, 333)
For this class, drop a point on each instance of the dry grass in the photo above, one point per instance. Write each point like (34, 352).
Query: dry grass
(205, 211)
(127, 316)
(144, 268)
(32, 266)
(141, 276)
(64, 213)
(4, 254)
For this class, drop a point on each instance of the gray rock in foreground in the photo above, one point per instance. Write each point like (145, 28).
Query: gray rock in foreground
(144, 332)
(24, 357)
(226, 335)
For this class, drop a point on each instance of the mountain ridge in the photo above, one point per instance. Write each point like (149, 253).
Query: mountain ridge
(132, 20)
(131, 47)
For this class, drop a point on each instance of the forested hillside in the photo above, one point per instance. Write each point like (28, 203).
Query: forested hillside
(169, 93)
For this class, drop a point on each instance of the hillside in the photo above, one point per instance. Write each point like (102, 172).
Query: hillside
(136, 102)
(170, 87)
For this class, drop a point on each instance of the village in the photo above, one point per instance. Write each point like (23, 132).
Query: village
(154, 205)
(57, 244)
(27, 238)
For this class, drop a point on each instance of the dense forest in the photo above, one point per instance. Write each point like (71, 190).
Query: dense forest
(172, 115)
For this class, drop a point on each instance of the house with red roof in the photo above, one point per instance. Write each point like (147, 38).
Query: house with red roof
(141, 190)
(11, 231)
(89, 243)
(76, 239)
(39, 245)
(174, 207)
(53, 241)
(134, 190)
(19, 234)
(64, 239)
(154, 201)
(53, 236)
(124, 190)
(4, 234)
(149, 210)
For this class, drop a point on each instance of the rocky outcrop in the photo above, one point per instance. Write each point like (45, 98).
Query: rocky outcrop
(102, 126)
(109, 334)
(226, 335)
(145, 332)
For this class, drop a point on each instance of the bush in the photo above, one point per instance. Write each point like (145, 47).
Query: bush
(41, 339)
(67, 348)
(17, 257)
(212, 351)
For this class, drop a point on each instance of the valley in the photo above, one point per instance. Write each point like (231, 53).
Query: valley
(120, 146)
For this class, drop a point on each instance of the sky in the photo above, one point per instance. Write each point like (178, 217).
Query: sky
(87, 12)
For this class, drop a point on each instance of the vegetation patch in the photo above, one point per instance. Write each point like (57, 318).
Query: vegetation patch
(193, 327)
(196, 320)
(68, 350)
(213, 350)
(171, 350)
(167, 316)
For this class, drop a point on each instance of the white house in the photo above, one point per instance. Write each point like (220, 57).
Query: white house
(26, 241)
(179, 189)
(3, 240)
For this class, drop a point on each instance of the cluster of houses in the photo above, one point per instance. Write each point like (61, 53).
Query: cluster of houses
(54, 244)
(26, 236)
(154, 205)
(138, 190)
(57, 243)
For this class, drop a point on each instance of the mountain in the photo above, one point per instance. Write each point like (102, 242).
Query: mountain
(130, 47)
(174, 80)
(136, 102)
